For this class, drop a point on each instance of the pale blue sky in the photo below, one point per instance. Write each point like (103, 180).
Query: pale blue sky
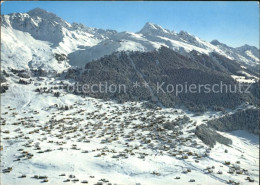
(233, 23)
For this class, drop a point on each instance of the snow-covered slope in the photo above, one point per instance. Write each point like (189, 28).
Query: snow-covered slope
(246, 54)
(249, 52)
(123, 143)
(32, 39)
(43, 30)
(19, 50)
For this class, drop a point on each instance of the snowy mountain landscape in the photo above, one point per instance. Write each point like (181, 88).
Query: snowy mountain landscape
(52, 135)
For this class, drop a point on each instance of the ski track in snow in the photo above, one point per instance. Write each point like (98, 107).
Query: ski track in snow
(149, 88)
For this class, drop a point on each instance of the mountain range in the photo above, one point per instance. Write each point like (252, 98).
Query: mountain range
(34, 39)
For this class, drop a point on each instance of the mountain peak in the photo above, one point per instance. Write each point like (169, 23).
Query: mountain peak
(38, 12)
(215, 42)
(247, 47)
(151, 28)
(48, 16)
(151, 25)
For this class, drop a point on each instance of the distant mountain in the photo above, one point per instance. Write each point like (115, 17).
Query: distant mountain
(249, 52)
(246, 53)
(33, 39)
